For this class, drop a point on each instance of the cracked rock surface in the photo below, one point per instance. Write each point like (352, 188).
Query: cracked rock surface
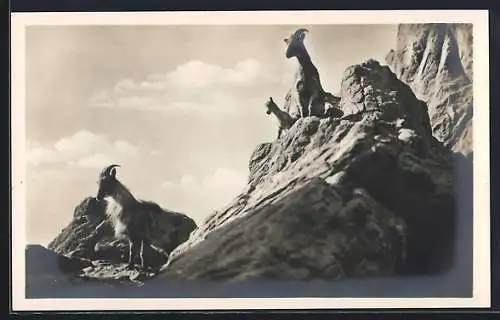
(368, 194)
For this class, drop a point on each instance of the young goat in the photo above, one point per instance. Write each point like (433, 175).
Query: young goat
(307, 91)
(130, 218)
(285, 121)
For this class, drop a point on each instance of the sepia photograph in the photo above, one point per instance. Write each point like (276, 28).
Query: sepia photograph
(237, 160)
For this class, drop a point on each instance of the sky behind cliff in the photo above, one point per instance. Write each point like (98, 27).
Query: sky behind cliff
(179, 108)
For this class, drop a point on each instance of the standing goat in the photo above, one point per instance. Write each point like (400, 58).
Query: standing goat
(285, 121)
(307, 92)
(130, 218)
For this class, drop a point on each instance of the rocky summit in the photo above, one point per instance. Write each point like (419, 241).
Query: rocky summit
(367, 194)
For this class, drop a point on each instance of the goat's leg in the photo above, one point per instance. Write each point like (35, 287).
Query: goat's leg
(302, 104)
(317, 102)
(143, 265)
(311, 104)
(280, 129)
(303, 110)
(132, 252)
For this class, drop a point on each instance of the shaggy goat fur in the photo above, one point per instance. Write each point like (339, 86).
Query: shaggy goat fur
(130, 218)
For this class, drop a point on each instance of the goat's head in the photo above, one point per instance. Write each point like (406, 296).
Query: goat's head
(295, 43)
(107, 182)
(269, 105)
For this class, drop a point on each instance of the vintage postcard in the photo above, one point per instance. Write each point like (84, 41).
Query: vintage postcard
(250, 160)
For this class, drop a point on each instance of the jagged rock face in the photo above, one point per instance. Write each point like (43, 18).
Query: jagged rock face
(370, 193)
(436, 61)
(170, 230)
(310, 232)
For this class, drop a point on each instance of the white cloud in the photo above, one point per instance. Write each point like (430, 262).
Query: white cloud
(196, 74)
(188, 181)
(199, 197)
(195, 86)
(97, 160)
(156, 153)
(226, 179)
(83, 149)
(125, 85)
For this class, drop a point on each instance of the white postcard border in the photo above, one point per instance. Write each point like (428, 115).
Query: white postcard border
(481, 274)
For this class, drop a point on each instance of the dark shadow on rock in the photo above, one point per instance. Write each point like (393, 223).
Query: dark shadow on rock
(464, 204)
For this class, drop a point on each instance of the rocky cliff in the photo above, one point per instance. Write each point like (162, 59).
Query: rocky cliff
(435, 60)
(78, 240)
(368, 194)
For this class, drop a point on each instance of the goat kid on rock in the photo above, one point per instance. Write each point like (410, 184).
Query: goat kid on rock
(285, 121)
(308, 91)
(130, 218)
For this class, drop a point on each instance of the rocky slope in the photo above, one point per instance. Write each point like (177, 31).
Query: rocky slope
(435, 60)
(78, 240)
(368, 194)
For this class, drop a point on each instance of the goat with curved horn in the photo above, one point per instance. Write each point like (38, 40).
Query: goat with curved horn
(307, 92)
(107, 170)
(300, 32)
(130, 218)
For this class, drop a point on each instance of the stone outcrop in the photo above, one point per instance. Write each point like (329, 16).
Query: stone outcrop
(77, 240)
(368, 194)
(435, 60)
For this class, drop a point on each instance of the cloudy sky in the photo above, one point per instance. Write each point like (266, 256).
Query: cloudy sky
(179, 108)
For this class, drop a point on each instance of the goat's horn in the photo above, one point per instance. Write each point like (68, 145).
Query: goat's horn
(106, 171)
(299, 32)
